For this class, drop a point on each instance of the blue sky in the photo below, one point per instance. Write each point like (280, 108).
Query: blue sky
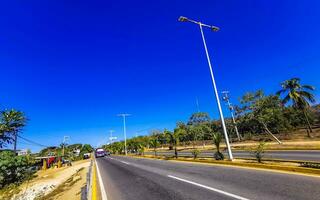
(72, 66)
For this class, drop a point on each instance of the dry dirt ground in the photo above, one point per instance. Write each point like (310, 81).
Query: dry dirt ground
(62, 183)
(70, 189)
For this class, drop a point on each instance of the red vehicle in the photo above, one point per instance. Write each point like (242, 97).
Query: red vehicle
(100, 152)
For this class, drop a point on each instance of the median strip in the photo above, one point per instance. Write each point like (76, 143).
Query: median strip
(209, 188)
(275, 166)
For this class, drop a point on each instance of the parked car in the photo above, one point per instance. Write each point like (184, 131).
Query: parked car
(100, 153)
(86, 156)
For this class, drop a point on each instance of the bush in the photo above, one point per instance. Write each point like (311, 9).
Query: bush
(218, 155)
(14, 169)
(310, 165)
(259, 151)
(195, 153)
(141, 151)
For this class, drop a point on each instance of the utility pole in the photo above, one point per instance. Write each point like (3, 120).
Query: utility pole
(65, 138)
(111, 131)
(124, 115)
(213, 28)
(197, 103)
(227, 100)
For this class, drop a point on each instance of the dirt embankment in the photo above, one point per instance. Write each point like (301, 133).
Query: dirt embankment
(62, 183)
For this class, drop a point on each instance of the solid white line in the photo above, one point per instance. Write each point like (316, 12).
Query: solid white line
(102, 189)
(209, 188)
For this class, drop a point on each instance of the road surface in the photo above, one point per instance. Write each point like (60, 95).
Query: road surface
(126, 178)
(311, 155)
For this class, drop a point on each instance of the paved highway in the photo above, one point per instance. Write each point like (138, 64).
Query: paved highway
(125, 178)
(311, 155)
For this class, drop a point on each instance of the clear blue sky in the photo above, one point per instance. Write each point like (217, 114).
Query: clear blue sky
(72, 66)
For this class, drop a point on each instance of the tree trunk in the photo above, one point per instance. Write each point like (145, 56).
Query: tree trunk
(308, 123)
(15, 142)
(268, 131)
(175, 151)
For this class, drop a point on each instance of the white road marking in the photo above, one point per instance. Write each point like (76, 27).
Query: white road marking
(124, 162)
(209, 188)
(102, 189)
(120, 161)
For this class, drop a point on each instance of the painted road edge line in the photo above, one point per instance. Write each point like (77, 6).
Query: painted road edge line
(209, 188)
(102, 189)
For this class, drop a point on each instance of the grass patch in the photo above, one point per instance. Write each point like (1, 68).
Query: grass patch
(310, 165)
(8, 191)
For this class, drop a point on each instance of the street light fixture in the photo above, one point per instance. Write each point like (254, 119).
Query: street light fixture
(213, 28)
(111, 138)
(124, 115)
(184, 19)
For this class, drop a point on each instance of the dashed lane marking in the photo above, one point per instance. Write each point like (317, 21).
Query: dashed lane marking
(208, 188)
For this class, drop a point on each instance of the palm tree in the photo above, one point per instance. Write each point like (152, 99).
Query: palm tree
(154, 143)
(11, 123)
(217, 138)
(299, 95)
(174, 137)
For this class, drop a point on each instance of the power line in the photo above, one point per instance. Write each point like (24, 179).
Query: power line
(32, 142)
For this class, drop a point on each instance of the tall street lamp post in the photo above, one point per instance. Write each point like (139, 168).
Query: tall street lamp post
(124, 115)
(213, 28)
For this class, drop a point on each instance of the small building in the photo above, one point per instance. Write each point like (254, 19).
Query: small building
(22, 152)
(76, 152)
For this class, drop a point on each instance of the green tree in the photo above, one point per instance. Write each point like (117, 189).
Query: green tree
(299, 95)
(194, 132)
(154, 143)
(174, 137)
(14, 169)
(86, 148)
(11, 123)
(199, 118)
(199, 127)
(135, 145)
(261, 113)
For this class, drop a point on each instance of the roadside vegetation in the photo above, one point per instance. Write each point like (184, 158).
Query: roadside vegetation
(16, 169)
(258, 115)
(258, 152)
(69, 152)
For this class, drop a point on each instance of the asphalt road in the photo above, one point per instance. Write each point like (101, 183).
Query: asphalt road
(312, 155)
(146, 179)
